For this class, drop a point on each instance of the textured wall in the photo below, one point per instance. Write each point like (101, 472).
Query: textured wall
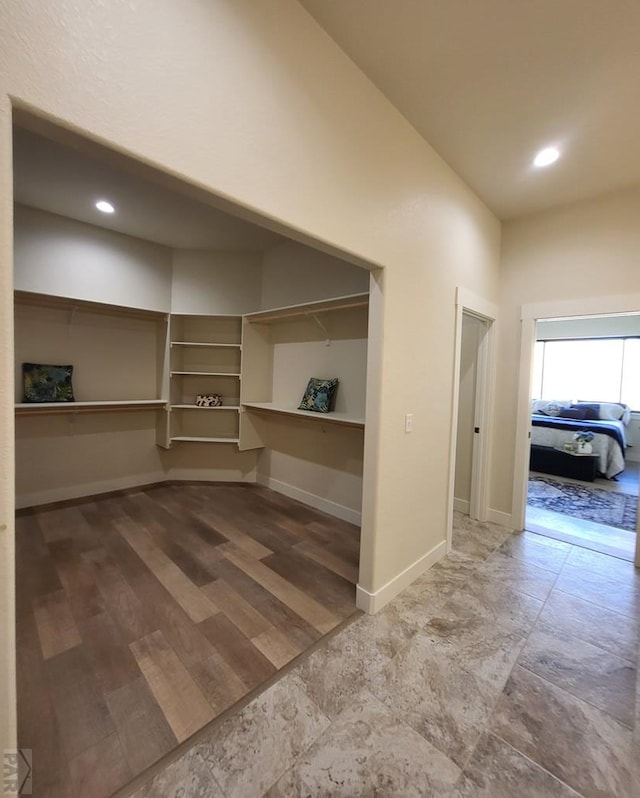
(584, 251)
(253, 101)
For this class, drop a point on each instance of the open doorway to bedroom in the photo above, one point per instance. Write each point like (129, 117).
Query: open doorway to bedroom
(584, 461)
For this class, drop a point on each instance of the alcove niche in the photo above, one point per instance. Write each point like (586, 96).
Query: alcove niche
(167, 298)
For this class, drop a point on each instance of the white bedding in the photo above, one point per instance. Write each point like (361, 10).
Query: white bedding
(611, 456)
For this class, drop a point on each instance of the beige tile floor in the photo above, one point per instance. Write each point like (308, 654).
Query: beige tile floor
(509, 669)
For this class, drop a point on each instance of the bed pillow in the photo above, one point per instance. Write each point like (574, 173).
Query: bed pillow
(554, 405)
(45, 383)
(577, 413)
(552, 409)
(591, 409)
(614, 411)
(318, 395)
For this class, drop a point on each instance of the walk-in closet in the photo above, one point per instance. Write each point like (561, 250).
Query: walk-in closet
(185, 530)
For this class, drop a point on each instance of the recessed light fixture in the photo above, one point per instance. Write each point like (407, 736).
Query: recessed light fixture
(546, 157)
(104, 206)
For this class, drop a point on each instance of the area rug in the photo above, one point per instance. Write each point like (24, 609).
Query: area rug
(586, 502)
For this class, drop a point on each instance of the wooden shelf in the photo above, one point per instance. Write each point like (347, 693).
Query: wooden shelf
(204, 374)
(199, 407)
(345, 419)
(201, 343)
(191, 439)
(82, 305)
(308, 309)
(107, 406)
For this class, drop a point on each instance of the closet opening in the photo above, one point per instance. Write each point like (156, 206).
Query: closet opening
(190, 423)
(585, 432)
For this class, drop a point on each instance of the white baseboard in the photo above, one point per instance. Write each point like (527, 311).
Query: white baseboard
(374, 602)
(210, 475)
(498, 517)
(461, 505)
(317, 502)
(88, 489)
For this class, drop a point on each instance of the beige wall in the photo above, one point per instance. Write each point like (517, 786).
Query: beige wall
(216, 282)
(293, 273)
(585, 250)
(253, 101)
(59, 256)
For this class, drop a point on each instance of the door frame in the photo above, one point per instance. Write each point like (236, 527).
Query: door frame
(469, 303)
(529, 315)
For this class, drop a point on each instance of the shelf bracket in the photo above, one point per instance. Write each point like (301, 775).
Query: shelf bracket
(314, 316)
(72, 316)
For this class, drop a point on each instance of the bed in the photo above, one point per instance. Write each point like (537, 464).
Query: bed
(553, 424)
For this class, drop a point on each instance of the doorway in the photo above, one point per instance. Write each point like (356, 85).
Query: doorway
(474, 330)
(585, 494)
(616, 483)
(475, 319)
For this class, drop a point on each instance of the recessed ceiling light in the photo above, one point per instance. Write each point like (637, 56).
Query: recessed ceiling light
(546, 157)
(104, 206)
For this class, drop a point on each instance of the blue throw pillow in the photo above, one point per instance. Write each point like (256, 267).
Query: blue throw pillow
(592, 411)
(577, 413)
(318, 395)
(44, 383)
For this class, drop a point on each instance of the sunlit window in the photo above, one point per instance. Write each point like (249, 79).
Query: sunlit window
(595, 369)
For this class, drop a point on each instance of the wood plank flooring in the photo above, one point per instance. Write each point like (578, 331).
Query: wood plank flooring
(141, 617)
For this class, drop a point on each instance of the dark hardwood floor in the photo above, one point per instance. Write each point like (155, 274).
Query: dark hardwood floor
(141, 617)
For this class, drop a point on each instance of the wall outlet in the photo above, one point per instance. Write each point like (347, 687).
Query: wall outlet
(408, 422)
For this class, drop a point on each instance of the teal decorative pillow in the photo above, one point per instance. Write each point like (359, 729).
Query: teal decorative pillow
(319, 395)
(44, 383)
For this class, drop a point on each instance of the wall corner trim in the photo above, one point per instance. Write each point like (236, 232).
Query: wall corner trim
(374, 602)
(498, 517)
(461, 506)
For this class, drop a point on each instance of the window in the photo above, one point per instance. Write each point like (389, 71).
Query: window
(592, 369)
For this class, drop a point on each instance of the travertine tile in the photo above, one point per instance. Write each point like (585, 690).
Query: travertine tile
(517, 574)
(493, 602)
(576, 617)
(444, 703)
(600, 589)
(611, 567)
(537, 550)
(187, 777)
(441, 581)
(496, 770)
(412, 611)
(365, 752)
(250, 750)
(577, 743)
(604, 680)
(479, 646)
(477, 539)
(335, 673)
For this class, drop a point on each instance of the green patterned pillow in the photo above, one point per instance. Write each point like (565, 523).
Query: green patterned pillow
(319, 395)
(44, 383)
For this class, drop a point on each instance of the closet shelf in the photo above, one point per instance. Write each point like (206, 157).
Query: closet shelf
(202, 343)
(345, 419)
(308, 309)
(107, 406)
(204, 374)
(68, 303)
(199, 407)
(193, 439)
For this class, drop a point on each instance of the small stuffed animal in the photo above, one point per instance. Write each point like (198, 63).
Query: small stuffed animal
(208, 400)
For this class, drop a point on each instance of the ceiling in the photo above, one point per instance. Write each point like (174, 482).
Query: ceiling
(65, 180)
(488, 83)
